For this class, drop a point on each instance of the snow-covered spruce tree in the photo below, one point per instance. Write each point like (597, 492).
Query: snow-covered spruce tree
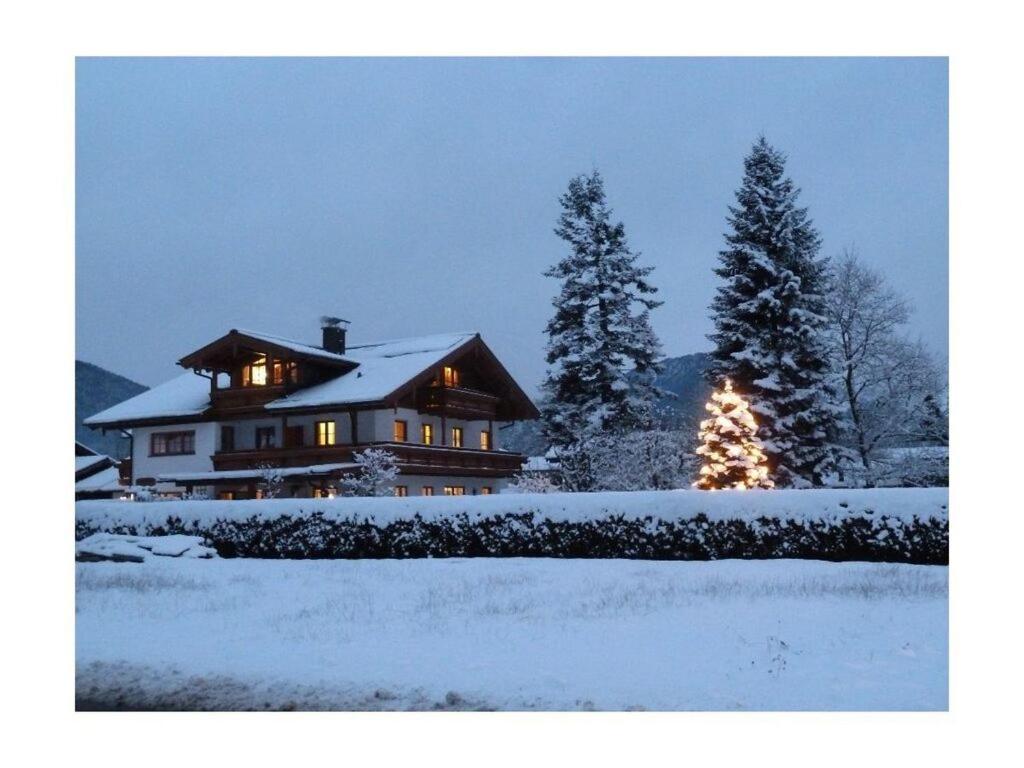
(602, 351)
(770, 323)
(377, 473)
(733, 456)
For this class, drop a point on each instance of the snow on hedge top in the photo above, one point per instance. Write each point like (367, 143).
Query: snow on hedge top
(383, 368)
(185, 395)
(902, 504)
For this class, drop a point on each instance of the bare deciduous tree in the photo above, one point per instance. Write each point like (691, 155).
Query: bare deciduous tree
(891, 386)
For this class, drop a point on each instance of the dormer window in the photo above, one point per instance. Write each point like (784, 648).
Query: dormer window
(450, 376)
(255, 374)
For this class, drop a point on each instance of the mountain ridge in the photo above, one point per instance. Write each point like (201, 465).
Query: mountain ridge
(97, 389)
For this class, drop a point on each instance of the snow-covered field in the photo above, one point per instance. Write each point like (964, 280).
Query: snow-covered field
(511, 634)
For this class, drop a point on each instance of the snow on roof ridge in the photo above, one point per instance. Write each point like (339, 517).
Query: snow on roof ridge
(272, 337)
(452, 335)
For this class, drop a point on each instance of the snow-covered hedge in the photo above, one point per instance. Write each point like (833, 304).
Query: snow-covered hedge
(893, 525)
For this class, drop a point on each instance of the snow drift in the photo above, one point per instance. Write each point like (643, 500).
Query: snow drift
(891, 525)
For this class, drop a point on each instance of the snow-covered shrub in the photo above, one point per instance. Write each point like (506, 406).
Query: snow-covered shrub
(271, 481)
(147, 494)
(642, 460)
(378, 469)
(532, 482)
(895, 525)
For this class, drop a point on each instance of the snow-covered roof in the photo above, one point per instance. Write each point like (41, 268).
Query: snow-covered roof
(383, 368)
(184, 395)
(246, 474)
(108, 479)
(296, 346)
(84, 462)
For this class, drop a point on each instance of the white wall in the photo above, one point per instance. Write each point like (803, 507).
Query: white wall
(144, 465)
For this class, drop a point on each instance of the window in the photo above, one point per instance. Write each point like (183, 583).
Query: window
(451, 376)
(325, 433)
(172, 443)
(401, 431)
(455, 490)
(485, 440)
(456, 437)
(485, 490)
(427, 434)
(278, 368)
(293, 372)
(294, 436)
(427, 490)
(401, 490)
(227, 438)
(226, 495)
(255, 374)
(264, 437)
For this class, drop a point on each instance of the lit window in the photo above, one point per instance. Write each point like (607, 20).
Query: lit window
(451, 376)
(485, 490)
(226, 495)
(325, 433)
(401, 431)
(427, 434)
(456, 437)
(278, 369)
(485, 440)
(454, 490)
(401, 490)
(428, 490)
(255, 374)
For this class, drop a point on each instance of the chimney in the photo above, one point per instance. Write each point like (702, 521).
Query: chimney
(334, 334)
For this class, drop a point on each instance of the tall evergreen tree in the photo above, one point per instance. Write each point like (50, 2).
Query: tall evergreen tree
(770, 323)
(602, 351)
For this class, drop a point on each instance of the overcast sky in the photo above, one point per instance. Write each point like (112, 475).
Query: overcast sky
(417, 196)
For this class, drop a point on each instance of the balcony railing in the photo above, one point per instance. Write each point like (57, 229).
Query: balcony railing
(232, 399)
(456, 402)
(412, 458)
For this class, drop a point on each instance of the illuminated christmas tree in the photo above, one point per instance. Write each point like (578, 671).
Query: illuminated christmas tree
(733, 456)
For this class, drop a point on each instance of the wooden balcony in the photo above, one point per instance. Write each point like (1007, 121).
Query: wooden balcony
(413, 459)
(456, 402)
(242, 399)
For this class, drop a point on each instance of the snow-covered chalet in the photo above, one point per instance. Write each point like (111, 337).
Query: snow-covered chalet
(252, 403)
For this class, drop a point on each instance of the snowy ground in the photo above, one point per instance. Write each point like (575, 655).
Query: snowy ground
(511, 634)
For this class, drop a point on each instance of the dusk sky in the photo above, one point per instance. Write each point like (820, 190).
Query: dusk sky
(416, 196)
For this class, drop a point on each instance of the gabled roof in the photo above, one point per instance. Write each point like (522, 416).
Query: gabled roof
(383, 369)
(375, 373)
(264, 342)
